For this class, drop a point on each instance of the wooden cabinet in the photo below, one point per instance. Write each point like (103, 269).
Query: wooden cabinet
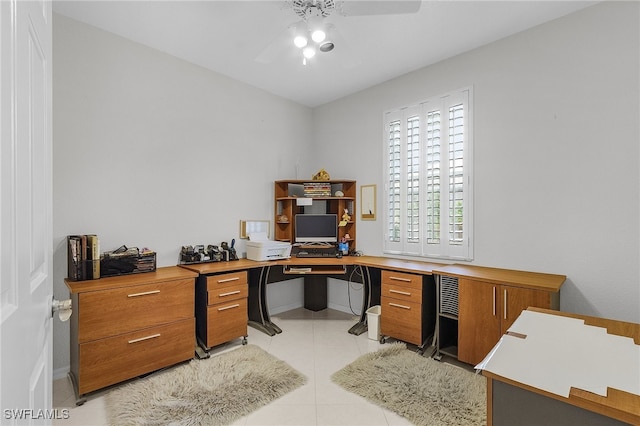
(487, 311)
(489, 301)
(287, 192)
(221, 308)
(126, 326)
(407, 306)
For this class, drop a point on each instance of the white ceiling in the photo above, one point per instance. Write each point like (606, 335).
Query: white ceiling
(228, 36)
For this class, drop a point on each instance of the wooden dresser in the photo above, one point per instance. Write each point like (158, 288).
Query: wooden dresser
(407, 307)
(126, 326)
(221, 308)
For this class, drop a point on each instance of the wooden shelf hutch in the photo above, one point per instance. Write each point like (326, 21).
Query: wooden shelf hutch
(287, 192)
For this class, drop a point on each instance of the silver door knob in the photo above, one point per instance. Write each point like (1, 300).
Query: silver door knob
(62, 307)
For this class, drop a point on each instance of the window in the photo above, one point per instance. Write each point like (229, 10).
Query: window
(428, 191)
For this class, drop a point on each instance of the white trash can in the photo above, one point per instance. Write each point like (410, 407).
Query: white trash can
(373, 322)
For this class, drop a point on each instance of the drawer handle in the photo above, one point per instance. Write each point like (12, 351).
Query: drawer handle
(146, 293)
(153, 336)
(228, 279)
(404, 293)
(399, 306)
(229, 307)
(229, 293)
(494, 301)
(405, 280)
(505, 303)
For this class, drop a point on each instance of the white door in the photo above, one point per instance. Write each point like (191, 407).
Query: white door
(25, 220)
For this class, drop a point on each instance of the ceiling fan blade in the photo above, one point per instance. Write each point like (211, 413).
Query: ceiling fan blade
(278, 48)
(379, 7)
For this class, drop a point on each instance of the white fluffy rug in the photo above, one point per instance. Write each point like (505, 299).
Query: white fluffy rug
(214, 391)
(425, 391)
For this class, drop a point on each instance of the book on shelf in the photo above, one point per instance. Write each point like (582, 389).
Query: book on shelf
(74, 258)
(83, 264)
(83, 257)
(93, 257)
(317, 189)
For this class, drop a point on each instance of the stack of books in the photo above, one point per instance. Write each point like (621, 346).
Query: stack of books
(83, 257)
(317, 189)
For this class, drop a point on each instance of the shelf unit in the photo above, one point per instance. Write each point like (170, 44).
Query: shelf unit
(447, 317)
(288, 192)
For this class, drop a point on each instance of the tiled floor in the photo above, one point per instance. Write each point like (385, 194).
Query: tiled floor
(315, 343)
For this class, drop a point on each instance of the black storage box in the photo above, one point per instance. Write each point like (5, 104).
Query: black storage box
(130, 261)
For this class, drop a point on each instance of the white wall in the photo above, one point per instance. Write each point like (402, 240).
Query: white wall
(556, 146)
(151, 151)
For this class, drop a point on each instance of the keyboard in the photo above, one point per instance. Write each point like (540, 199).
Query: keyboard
(316, 254)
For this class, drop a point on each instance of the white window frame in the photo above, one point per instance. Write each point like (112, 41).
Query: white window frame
(444, 249)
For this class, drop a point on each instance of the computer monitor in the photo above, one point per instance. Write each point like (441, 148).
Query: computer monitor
(316, 228)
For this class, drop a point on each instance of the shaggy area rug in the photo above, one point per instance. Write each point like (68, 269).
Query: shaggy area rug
(214, 391)
(425, 391)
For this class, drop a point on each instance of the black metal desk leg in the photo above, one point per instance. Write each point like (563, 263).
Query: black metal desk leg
(258, 310)
(361, 326)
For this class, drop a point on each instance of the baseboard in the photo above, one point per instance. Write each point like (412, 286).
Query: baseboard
(340, 308)
(61, 372)
(275, 310)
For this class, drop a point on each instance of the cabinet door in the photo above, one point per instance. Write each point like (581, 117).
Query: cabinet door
(516, 299)
(478, 319)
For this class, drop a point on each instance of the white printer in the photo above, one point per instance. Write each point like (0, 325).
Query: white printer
(260, 248)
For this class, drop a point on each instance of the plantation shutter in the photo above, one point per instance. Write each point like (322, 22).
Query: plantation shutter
(428, 184)
(394, 167)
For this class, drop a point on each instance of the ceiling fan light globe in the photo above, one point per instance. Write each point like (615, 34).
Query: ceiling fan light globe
(318, 36)
(316, 27)
(309, 52)
(300, 41)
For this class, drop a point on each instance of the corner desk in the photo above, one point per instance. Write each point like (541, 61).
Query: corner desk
(408, 298)
(315, 272)
(157, 308)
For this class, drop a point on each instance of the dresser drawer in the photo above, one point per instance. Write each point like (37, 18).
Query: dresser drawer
(401, 320)
(108, 361)
(215, 282)
(224, 294)
(401, 292)
(226, 321)
(402, 280)
(112, 312)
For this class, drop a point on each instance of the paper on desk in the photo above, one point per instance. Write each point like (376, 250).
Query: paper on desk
(258, 236)
(560, 352)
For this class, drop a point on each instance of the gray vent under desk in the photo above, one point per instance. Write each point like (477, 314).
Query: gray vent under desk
(449, 295)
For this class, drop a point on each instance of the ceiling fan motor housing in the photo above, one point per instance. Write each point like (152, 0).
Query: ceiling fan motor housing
(306, 8)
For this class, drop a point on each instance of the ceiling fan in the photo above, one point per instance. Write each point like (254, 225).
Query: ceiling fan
(313, 34)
